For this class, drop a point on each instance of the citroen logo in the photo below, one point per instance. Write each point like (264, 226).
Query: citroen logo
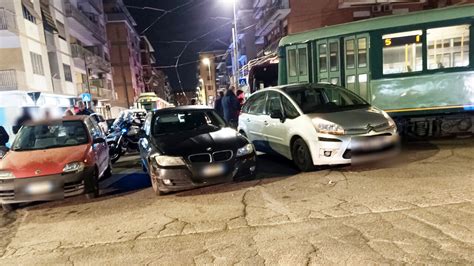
(370, 128)
(37, 172)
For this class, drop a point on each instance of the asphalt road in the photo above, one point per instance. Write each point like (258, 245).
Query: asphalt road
(416, 210)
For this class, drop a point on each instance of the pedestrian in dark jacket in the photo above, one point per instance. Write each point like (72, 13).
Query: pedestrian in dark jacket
(218, 104)
(83, 110)
(4, 138)
(231, 107)
(23, 119)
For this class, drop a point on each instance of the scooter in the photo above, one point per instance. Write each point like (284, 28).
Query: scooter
(123, 138)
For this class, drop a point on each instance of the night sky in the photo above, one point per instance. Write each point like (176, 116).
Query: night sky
(189, 22)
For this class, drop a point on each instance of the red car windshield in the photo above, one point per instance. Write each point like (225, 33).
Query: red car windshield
(47, 136)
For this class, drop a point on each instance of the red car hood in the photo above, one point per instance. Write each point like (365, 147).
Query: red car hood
(24, 164)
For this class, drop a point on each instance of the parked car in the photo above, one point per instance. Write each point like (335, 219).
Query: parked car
(50, 160)
(188, 147)
(316, 124)
(100, 120)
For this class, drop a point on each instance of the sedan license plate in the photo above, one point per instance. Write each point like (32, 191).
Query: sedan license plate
(213, 170)
(371, 143)
(39, 190)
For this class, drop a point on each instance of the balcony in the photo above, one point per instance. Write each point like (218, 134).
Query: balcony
(96, 5)
(84, 22)
(10, 79)
(272, 15)
(7, 21)
(94, 62)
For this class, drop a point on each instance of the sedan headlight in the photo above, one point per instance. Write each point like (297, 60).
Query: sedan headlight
(391, 123)
(327, 127)
(165, 161)
(73, 167)
(6, 175)
(245, 150)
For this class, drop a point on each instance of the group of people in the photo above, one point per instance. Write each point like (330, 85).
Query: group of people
(79, 109)
(228, 105)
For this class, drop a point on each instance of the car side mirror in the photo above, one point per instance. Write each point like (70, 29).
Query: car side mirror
(277, 114)
(99, 140)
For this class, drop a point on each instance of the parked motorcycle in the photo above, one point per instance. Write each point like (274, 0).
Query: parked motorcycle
(123, 137)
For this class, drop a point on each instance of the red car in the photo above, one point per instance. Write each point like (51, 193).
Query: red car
(50, 160)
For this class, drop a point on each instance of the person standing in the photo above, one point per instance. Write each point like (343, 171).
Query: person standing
(23, 119)
(83, 110)
(231, 108)
(218, 104)
(4, 138)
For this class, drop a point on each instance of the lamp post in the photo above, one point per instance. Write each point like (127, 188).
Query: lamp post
(236, 44)
(207, 62)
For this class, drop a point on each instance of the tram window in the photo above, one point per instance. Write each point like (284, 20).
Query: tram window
(448, 47)
(402, 52)
(323, 61)
(292, 62)
(351, 82)
(362, 52)
(303, 61)
(333, 53)
(350, 56)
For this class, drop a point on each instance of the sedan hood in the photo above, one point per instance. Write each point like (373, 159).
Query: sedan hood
(354, 119)
(193, 142)
(24, 164)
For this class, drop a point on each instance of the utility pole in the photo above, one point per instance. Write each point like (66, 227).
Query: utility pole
(236, 46)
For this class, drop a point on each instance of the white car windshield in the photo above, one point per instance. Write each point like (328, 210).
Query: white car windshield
(325, 99)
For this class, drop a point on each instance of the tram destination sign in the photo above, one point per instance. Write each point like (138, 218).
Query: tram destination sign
(399, 41)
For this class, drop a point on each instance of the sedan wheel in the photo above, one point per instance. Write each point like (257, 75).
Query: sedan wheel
(302, 156)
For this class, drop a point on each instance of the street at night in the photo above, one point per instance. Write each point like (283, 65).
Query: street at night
(418, 210)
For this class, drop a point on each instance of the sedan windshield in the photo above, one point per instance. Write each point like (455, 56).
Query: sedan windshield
(55, 135)
(180, 121)
(325, 100)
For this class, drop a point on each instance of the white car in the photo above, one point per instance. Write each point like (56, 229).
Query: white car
(316, 124)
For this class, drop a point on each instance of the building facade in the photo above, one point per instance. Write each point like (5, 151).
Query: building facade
(125, 54)
(86, 33)
(155, 80)
(213, 75)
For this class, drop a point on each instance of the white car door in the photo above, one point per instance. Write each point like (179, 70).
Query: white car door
(275, 130)
(253, 119)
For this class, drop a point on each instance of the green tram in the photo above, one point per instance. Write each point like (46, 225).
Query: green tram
(419, 67)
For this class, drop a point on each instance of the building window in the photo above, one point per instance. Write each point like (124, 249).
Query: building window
(448, 47)
(402, 52)
(292, 63)
(333, 56)
(303, 61)
(27, 14)
(67, 72)
(37, 63)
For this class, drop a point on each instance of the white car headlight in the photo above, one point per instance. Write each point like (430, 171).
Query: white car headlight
(162, 160)
(73, 167)
(6, 175)
(391, 123)
(245, 150)
(327, 127)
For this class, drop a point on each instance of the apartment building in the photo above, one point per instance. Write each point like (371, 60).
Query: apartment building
(36, 55)
(90, 51)
(213, 75)
(155, 80)
(125, 54)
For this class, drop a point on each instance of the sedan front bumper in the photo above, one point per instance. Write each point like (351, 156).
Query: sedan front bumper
(44, 188)
(172, 179)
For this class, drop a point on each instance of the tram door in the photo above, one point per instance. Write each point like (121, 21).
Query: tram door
(327, 61)
(356, 64)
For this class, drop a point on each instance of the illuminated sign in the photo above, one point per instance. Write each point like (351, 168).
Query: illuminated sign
(402, 40)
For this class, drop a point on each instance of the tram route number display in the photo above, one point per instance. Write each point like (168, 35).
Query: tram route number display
(402, 40)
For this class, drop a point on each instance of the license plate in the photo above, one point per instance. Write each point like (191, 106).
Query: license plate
(371, 143)
(213, 170)
(39, 188)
